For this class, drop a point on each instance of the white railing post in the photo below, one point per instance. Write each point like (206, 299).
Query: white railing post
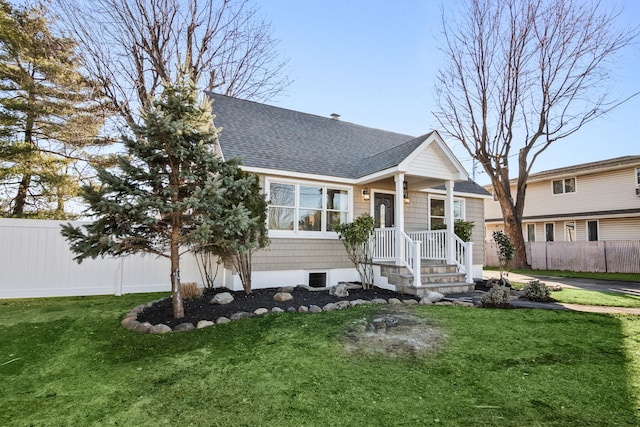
(417, 270)
(469, 262)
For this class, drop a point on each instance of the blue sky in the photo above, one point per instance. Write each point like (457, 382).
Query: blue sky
(374, 62)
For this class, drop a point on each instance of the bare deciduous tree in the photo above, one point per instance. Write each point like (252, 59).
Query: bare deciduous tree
(133, 46)
(521, 75)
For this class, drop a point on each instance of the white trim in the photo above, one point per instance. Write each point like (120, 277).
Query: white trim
(637, 175)
(458, 194)
(564, 186)
(435, 138)
(455, 199)
(297, 183)
(279, 278)
(299, 175)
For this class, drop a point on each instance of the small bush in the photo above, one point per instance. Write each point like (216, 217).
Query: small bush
(498, 296)
(190, 290)
(537, 291)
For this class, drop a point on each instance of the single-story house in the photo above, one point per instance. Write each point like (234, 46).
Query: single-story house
(317, 172)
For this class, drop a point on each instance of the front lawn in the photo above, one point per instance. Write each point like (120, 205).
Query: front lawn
(67, 361)
(621, 277)
(584, 297)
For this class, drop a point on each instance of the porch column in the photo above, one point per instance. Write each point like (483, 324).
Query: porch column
(399, 215)
(449, 219)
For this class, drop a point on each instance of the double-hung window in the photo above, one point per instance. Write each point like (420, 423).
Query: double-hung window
(436, 211)
(562, 186)
(306, 209)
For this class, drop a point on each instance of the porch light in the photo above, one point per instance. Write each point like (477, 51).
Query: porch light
(405, 193)
(365, 194)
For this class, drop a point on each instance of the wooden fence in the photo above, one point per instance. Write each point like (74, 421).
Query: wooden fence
(611, 256)
(35, 261)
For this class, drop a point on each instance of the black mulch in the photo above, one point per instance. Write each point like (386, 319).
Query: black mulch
(200, 309)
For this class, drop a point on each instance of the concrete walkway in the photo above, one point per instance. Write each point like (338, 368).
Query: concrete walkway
(628, 288)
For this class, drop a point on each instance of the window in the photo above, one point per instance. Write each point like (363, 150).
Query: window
(549, 232)
(592, 231)
(531, 232)
(436, 211)
(638, 176)
(301, 208)
(561, 186)
(570, 231)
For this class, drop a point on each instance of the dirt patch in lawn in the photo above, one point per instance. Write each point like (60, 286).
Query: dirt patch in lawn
(393, 331)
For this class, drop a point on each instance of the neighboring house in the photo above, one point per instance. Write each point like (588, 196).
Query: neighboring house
(595, 201)
(318, 172)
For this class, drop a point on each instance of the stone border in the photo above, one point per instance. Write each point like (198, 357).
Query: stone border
(131, 322)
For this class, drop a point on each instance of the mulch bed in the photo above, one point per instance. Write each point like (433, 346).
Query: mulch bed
(200, 309)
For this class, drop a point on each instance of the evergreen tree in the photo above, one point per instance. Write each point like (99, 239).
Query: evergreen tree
(171, 194)
(50, 115)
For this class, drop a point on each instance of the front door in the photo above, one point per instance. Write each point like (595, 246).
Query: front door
(383, 208)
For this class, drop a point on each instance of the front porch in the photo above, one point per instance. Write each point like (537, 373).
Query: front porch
(420, 261)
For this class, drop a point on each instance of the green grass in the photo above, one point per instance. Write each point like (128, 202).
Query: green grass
(611, 299)
(67, 362)
(621, 277)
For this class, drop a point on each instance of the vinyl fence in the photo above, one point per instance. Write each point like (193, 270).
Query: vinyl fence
(35, 261)
(611, 256)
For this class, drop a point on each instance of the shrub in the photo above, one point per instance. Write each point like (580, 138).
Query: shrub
(190, 290)
(536, 291)
(498, 296)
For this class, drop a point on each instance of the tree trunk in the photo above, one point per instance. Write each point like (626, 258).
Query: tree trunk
(513, 229)
(178, 307)
(21, 197)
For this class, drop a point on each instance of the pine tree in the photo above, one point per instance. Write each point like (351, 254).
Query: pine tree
(171, 193)
(50, 115)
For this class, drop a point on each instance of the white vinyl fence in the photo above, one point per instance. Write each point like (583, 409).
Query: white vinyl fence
(35, 261)
(609, 256)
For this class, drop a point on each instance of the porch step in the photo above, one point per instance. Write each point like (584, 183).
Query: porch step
(435, 276)
(426, 267)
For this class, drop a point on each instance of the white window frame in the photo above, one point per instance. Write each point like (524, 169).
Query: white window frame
(638, 176)
(597, 229)
(323, 233)
(463, 208)
(564, 186)
(545, 231)
(567, 226)
(529, 235)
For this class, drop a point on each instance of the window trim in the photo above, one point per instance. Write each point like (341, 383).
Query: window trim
(597, 230)
(553, 225)
(567, 224)
(564, 186)
(529, 236)
(463, 208)
(638, 175)
(304, 234)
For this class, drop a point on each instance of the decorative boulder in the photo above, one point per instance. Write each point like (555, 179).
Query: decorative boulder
(183, 327)
(433, 296)
(204, 324)
(160, 329)
(260, 311)
(222, 298)
(340, 290)
(283, 296)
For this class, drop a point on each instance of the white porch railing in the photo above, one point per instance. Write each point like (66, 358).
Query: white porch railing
(418, 245)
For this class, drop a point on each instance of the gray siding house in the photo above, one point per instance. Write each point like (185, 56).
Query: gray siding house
(317, 172)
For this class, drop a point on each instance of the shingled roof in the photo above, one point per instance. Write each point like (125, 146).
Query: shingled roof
(269, 137)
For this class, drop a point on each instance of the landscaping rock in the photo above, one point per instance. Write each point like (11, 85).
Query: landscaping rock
(241, 315)
(355, 302)
(394, 301)
(221, 320)
(183, 327)
(283, 297)
(330, 307)
(340, 290)
(222, 298)
(160, 328)
(444, 303)
(409, 302)
(143, 328)
(314, 309)
(462, 303)
(277, 310)
(425, 301)
(204, 324)
(260, 311)
(433, 296)
(343, 304)
(291, 309)
(378, 301)
(129, 322)
(303, 309)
